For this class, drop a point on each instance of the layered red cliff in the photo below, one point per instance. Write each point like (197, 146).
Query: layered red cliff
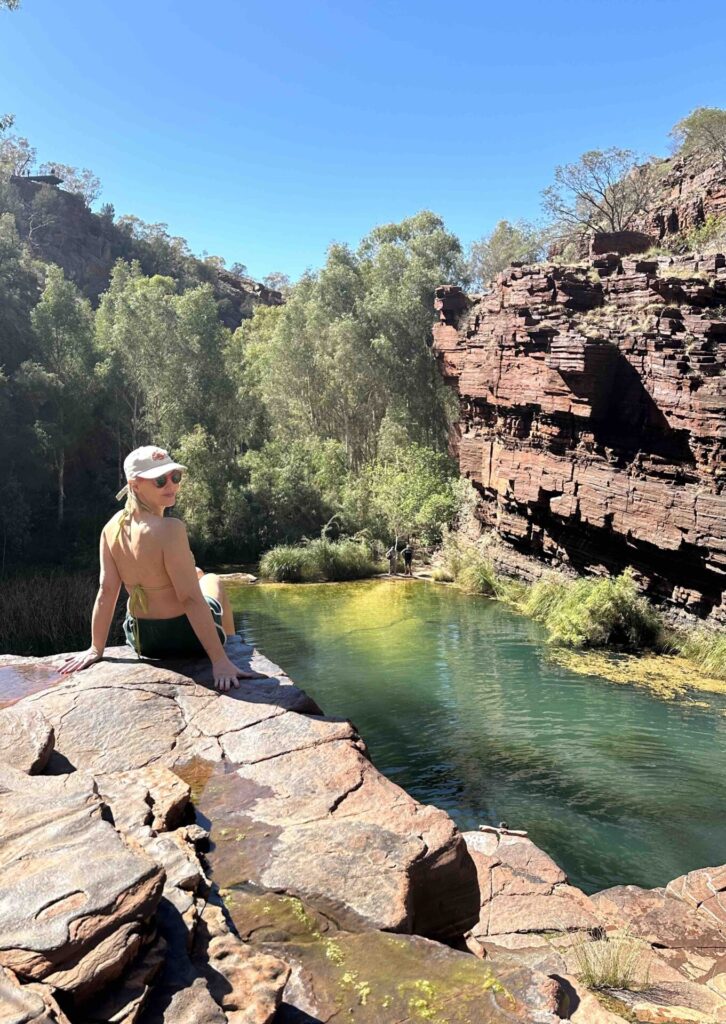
(592, 417)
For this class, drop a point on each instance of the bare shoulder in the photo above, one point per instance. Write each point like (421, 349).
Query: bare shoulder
(172, 530)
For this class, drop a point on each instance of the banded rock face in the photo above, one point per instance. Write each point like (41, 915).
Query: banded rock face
(592, 416)
(689, 194)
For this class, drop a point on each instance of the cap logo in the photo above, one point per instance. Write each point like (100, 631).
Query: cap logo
(158, 454)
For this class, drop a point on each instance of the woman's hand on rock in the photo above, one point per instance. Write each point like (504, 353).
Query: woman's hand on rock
(227, 674)
(77, 662)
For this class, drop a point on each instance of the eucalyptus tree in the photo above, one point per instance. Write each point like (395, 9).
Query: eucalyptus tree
(79, 180)
(352, 342)
(702, 135)
(605, 190)
(59, 379)
(135, 325)
(508, 243)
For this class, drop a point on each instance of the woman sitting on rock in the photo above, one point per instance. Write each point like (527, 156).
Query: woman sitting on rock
(174, 609)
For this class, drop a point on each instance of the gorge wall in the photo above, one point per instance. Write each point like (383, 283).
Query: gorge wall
(689, 195)
(592, 424)
(61, 229)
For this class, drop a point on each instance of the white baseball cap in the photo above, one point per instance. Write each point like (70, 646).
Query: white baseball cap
(147, 462)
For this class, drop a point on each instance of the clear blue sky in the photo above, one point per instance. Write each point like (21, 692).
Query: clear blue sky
(263, 131)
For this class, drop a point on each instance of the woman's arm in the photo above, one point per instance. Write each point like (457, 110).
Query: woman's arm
(109, 586)
(179, 564)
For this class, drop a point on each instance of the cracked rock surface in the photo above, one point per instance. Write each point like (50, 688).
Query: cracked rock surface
(26, 739)
(531, 915)
(320, 821)
(334, 881)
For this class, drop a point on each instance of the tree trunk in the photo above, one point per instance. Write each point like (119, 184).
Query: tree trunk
(61, 481)
(134, 446)
(119, 459)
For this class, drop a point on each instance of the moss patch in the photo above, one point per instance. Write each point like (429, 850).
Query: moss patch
(665, 675)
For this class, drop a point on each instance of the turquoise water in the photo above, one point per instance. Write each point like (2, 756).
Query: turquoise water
(458, 703)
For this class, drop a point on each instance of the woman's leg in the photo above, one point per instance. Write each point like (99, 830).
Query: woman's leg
(212, 586)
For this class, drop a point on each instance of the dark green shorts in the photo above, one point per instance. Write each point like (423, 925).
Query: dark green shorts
(169, 638)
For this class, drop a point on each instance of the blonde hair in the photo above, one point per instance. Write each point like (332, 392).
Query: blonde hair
(133, 502)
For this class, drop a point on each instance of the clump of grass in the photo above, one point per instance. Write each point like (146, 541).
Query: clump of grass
(50, 613)
(317, 561)
(619, 961)
(606, 612)
(466, 563)
(441, 574)
(286, 563)
(478, 577)
(705, 647)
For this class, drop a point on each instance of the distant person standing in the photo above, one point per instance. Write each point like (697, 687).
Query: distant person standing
(392, 556)
(407, 560)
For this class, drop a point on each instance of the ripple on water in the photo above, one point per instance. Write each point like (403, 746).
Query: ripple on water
(460, 703)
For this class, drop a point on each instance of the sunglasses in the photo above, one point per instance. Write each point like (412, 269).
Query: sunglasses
(175, 475)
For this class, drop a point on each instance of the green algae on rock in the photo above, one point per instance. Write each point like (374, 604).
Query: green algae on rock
(666, 675)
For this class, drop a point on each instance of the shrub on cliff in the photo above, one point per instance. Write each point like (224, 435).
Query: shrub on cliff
(318, 561)
(702, 135)
(606, 612)
(508, 243)
(605, 190)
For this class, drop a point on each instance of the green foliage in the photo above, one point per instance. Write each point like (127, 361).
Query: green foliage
(704, 647)
(352, 343)
(58, 382)
(466, 563)
(508, 243)
(594, 612)
(407, 491)
(318, 561)
(711, 235)
(164, 357)
(702, 135)
(294, 487)
(478, 577)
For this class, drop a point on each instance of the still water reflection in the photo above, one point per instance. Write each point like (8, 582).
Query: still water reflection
(459, 704)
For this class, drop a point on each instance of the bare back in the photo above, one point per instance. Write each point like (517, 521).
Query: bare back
(140, 550)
